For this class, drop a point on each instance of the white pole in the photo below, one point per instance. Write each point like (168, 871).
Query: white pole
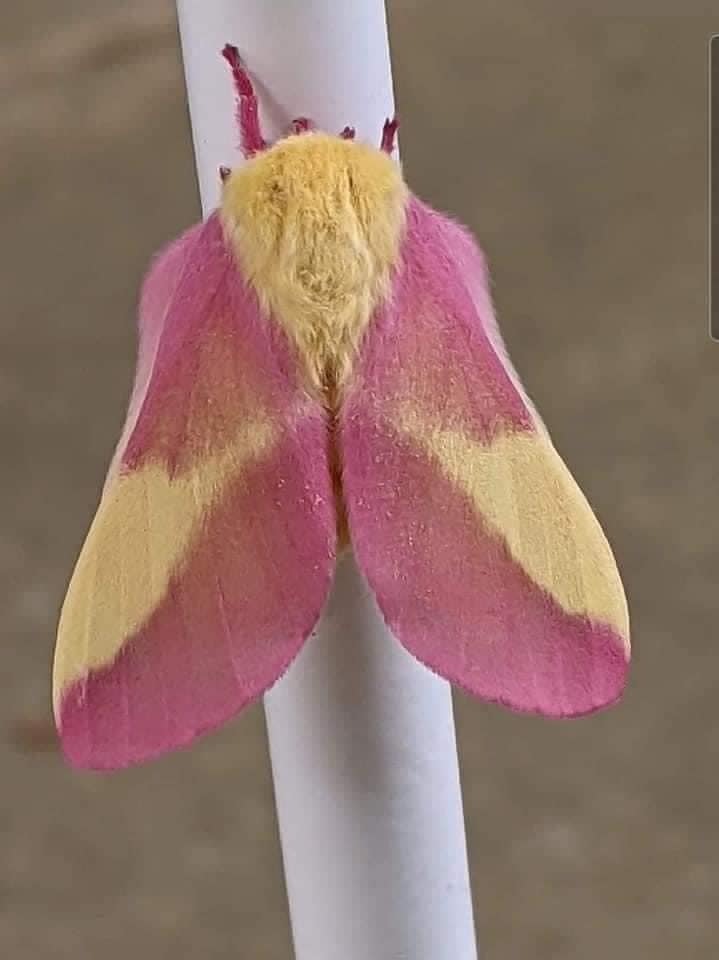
(361, 736)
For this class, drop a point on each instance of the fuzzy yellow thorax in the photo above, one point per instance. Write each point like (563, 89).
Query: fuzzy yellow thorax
(316, 224)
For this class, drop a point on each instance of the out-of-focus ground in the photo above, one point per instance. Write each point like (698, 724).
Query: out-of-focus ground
(572, 137)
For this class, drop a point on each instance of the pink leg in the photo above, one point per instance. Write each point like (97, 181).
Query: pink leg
(251, 139)
(389, 132)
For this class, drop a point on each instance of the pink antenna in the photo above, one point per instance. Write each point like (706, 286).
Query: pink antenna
(301, 125)
(251, 139)
(389, 133)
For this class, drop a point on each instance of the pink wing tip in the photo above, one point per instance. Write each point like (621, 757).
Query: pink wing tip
(92, 719)
(587, 676)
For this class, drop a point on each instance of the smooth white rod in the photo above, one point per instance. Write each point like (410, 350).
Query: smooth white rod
(361, 736)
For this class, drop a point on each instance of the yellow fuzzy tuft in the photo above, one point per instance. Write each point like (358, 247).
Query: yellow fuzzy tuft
(316, 223)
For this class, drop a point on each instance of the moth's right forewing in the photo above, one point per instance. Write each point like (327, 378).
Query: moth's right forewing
(484, 555)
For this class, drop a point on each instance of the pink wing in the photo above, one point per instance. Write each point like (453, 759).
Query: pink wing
(484, 556)
(213, 546)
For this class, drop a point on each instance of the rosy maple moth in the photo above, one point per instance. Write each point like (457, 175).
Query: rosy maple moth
(320, 369)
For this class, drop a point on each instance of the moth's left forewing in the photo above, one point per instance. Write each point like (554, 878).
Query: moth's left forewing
(483, 553)
(212, 549)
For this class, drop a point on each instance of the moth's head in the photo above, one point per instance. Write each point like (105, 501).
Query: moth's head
(306, 168)
(315, 172)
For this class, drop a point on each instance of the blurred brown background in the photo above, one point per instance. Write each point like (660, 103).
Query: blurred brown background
(574, 142)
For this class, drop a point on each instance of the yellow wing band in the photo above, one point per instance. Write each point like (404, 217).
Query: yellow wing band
(524, 493)
(140, 537)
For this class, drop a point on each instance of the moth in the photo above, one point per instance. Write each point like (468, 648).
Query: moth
(320, 370)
